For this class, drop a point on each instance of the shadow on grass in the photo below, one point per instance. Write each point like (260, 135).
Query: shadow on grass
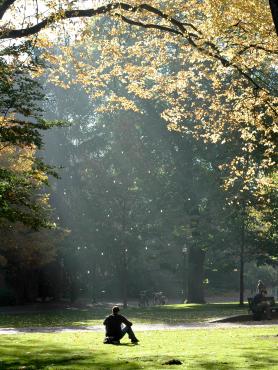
(43, 356)
(213, 365)
(263, 359)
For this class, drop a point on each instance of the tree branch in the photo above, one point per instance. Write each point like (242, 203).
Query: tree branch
(150, 25)
(80, 13)
(4, 6)
(256, 47)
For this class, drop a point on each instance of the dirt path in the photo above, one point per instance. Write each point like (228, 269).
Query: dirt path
(140, 327)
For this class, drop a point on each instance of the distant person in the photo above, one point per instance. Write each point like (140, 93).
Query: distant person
(115, 331)
(261, 304)
(261, 287)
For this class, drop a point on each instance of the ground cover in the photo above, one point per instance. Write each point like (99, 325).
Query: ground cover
(252, 348)
(169, 314)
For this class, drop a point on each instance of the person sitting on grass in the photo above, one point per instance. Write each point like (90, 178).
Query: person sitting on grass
(113, 327)
(261, 304)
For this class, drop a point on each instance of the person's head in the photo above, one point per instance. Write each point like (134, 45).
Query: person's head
(115, 310)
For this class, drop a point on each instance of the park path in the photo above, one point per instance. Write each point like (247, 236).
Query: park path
(140, 327)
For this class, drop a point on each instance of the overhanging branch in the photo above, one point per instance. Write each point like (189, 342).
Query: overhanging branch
(150, 25)
(80, 13)
(4, 6)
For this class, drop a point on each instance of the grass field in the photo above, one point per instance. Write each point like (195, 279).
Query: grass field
(170, 314)
(216, 349)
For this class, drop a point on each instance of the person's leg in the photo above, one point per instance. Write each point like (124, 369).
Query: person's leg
(265, 307)
(130, 332)
(268, 311)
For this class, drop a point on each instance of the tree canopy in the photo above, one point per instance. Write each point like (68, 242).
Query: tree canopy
(226, 48)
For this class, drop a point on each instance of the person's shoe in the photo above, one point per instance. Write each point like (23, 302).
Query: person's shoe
(110, 340)
(135, 341)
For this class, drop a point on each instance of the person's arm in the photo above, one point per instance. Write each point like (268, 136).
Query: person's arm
(125, 321)
(105, 321)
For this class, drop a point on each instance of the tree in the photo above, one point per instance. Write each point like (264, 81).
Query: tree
(23, 255)
(133, 198)
(22, 173)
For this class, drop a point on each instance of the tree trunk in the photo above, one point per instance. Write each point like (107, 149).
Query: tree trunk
(124, 279)
(241, 267)
(274, 10)
(185, 277)
(195, 290)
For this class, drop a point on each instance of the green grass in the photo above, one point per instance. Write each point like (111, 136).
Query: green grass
(170, 314)
(217, 349)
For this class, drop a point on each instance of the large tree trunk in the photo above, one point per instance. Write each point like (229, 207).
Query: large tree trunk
(274, 10)
(196, 259)
(124, 278)
(241, 268)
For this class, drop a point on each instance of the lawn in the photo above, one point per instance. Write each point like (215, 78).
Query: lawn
(227, 349)
(170, 314)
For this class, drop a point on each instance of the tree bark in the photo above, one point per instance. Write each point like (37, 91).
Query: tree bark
(274, 10)
(241, 268)
(124, 279)
(124, 273)
(196, 259)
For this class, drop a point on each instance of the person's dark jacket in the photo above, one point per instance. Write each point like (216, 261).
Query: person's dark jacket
(113, 325)
(258, 299)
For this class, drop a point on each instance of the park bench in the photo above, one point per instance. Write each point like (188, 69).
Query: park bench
(258, 312)
(159, 298)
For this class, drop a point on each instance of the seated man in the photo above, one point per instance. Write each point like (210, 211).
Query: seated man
(261, 304)
(114, 331)
(261, 287)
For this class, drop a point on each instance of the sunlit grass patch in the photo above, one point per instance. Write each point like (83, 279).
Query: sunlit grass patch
(225, 349)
